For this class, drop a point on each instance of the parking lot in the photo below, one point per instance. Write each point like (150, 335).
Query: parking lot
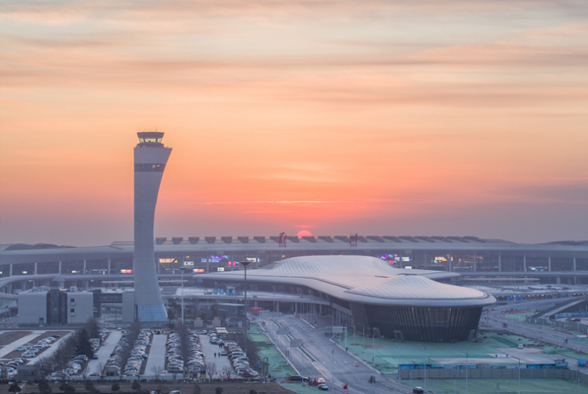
(135, 354)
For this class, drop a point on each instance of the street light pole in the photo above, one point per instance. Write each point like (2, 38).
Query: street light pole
(373, 359)
(426, 367)
(245, 264)
(467, 362)
(182, 280)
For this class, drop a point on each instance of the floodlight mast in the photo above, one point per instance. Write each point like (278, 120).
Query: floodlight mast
(245, 264)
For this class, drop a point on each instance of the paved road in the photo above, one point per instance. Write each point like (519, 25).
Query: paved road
(156, 357)
(498, 320)
(104, 352)
(327, 360)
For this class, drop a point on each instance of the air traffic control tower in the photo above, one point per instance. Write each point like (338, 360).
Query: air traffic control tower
(150, 159)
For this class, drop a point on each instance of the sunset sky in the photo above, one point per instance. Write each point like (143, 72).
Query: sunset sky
(377, 117)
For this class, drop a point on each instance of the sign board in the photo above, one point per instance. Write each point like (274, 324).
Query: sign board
(296, 343)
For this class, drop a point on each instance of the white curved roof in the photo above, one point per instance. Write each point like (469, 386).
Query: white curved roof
(364, 279)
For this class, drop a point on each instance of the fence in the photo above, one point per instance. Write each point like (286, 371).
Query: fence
(564, 374)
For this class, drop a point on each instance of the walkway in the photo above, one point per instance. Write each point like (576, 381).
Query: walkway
(156, 360)
(104, 352)
(49, 352)
(218, 364)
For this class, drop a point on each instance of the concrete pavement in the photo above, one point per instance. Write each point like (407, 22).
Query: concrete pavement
(218, 365)
(104, 352)
(156, 359)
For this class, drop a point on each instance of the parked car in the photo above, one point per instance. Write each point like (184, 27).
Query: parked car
(418, 390)
(323, 387)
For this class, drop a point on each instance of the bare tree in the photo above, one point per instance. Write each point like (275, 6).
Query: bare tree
(227, 370)
(85, 373)
(157, 370)
(210, 370)
(63, 354)
(100, 368)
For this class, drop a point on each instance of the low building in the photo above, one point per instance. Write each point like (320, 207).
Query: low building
(32, 308)
(55, 307)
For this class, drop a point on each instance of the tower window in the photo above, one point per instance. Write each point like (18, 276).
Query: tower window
(148, 167)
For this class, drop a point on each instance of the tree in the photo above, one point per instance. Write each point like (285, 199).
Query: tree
(136, 385)
(252, 391)
(92, 328)
(218, 390)
(67, 389)
(100, 368)
(157, 370)
(14, 388)
(83, 345)
(197, 389)
(44, 387)
(210, 370)
(89, 385)
(115, 387)
(171, 315)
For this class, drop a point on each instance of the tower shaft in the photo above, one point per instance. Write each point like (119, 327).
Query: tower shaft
(150, 157)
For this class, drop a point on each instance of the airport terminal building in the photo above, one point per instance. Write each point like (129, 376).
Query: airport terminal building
(406, 304)
(477, 260)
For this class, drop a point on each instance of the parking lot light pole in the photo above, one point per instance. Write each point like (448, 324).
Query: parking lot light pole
(425, 369)
(245, 264)
(373, 359)
(182, 280)
(467, 362)
(519, 374)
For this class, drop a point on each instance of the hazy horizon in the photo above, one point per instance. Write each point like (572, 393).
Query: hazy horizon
(382, 117)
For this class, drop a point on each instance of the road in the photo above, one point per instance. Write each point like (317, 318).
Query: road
(496, 319)
(321, 357)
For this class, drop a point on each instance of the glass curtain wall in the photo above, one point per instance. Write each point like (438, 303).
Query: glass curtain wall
(423, 324)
